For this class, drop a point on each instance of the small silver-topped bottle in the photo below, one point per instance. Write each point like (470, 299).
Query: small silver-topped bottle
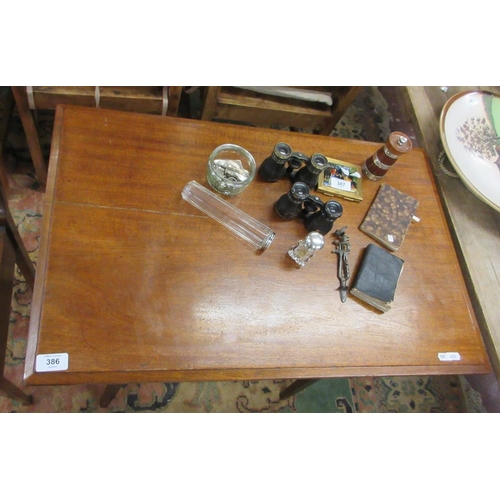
(306, 249)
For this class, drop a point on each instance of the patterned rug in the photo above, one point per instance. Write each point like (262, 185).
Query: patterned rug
(366, 119)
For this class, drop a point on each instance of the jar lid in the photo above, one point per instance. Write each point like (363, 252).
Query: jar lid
(399, 143)
(315, 240)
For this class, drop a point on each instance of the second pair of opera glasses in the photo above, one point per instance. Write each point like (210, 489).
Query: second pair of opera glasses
(317, 215)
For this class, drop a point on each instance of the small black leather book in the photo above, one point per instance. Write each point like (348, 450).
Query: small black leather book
(377, 277)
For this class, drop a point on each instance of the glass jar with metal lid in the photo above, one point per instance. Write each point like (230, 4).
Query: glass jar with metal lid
(230, 169)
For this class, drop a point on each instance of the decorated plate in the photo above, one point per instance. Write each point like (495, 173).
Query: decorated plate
(470, 131)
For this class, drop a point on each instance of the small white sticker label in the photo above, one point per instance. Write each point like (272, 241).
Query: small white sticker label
(52, 362)
(340, 184)
(390, 237)
(449, 356)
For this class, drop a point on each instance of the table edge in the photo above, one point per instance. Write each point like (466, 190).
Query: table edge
(63, 378)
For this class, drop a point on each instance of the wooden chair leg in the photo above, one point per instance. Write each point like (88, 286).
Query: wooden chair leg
(13, 392)
(341, 107)
(174, 99)
(4, 125)
(110, 391)
(12, 251)
(209, 106)
(297, 386)
(23, 260)
(7, 260)
(31, 132)
(25, 265)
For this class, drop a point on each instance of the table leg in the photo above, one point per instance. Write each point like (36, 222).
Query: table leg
(31, 133)
(110, 391)
(296, 387)
(13, 392)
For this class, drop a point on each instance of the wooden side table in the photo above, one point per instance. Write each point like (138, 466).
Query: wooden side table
(135, 284)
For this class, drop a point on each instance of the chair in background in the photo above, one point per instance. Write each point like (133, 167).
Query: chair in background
(153, 100)
(12, 252)
(312, 108)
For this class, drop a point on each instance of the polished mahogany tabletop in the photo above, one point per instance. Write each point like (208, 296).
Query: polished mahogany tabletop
(134, 284)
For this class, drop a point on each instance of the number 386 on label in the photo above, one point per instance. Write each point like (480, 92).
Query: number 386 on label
(52, 362)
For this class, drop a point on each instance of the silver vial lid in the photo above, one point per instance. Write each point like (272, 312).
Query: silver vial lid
(315, 241)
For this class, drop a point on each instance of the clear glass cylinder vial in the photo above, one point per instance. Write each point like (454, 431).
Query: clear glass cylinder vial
(256, 234)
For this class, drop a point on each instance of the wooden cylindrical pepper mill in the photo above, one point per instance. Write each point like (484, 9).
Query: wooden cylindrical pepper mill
(377, 165)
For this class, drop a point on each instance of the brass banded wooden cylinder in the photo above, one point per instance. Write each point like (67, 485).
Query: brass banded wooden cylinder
(377, 165)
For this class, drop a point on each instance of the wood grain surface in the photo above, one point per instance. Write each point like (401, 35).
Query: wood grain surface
(136, 284)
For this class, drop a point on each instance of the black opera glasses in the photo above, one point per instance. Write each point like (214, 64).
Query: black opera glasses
(316, 214)
(298, 202)
(298, 166)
